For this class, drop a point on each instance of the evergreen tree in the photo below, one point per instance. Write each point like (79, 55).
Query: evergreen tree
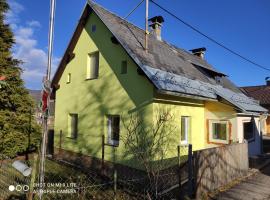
(15, 101)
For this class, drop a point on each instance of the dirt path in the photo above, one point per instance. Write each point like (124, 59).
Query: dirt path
(256, 187)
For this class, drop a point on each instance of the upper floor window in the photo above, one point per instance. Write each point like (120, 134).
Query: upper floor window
(124, 67)
(92, 65)
(69, 78)
(93, 28)
(219, 131)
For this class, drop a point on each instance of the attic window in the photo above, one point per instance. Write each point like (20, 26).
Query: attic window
(124, 67)
(69, 78)
(94, 28)
(92, 65)
(218, 79)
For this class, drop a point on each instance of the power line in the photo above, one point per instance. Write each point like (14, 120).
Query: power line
(133, 9)
(209, 38)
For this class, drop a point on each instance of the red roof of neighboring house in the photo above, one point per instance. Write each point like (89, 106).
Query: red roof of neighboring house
(260, 93)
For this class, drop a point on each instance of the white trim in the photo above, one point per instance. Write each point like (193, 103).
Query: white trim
(68, 77)
(211, 139)
(90, 68)
(187, 122)
(109, 127)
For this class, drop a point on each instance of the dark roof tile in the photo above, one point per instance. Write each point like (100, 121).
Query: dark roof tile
(260, 93)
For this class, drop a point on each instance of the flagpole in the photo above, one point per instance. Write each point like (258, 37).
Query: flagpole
(146, 26)
(46, 99)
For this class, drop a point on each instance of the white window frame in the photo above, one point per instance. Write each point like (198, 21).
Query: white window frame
(68, 77)
(89, 67)
(187, 130)
(253, 128)
(109, 127)
(210, 125)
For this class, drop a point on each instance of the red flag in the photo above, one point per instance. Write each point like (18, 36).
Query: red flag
(45, 95)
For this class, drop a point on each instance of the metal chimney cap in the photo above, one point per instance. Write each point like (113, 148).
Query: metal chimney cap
(158, 19)
(202, 49)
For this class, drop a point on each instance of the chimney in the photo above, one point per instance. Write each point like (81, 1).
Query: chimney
(267, 81)
(199, 52)
(156, 26)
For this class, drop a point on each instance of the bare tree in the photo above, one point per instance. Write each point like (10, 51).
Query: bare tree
(148, 142)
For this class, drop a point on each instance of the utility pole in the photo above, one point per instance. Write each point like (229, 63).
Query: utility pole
(46, 98)
(146, 26)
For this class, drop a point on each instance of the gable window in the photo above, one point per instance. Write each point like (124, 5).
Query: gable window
(248, 130)
(69, 78)
(219, 131)
(92, 66)
(124, 67)
(184, 129)
(218, 79)
(113, 129)
(93, 28)
(72, 125)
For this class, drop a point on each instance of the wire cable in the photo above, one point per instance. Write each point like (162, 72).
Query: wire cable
(209, 38)
(133, 10)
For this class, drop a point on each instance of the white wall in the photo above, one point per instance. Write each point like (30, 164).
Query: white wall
(254, 146)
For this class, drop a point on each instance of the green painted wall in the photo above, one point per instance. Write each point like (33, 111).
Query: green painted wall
(92, 100)
(114, 93)
(186, 108)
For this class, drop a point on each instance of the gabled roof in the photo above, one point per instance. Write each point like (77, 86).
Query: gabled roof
(260, 93)
(168, 67)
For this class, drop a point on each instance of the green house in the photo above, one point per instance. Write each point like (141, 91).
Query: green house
(106, 74)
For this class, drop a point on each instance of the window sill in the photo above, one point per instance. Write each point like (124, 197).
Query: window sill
(183, 143)
(87, 79)
(113, 143)
(219, 142)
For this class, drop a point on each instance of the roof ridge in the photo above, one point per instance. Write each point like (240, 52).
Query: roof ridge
(171, 45)
(92, 3)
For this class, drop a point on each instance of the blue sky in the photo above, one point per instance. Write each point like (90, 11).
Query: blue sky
(242, 25)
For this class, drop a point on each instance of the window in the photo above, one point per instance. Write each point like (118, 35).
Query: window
(248, 130)
(69, 78)
(218, 79)
(124, 67)
(219, 131)
(92, 66)
(72, 125)
(113, 129)
(93, 28)
(184, 130)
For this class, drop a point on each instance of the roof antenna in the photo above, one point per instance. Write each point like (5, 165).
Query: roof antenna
(146, 26)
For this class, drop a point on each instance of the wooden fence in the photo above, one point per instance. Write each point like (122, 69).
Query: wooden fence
(216, 167)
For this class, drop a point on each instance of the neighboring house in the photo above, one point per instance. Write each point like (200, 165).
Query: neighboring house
(262, 94)
(36, 95)
(106, 73)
